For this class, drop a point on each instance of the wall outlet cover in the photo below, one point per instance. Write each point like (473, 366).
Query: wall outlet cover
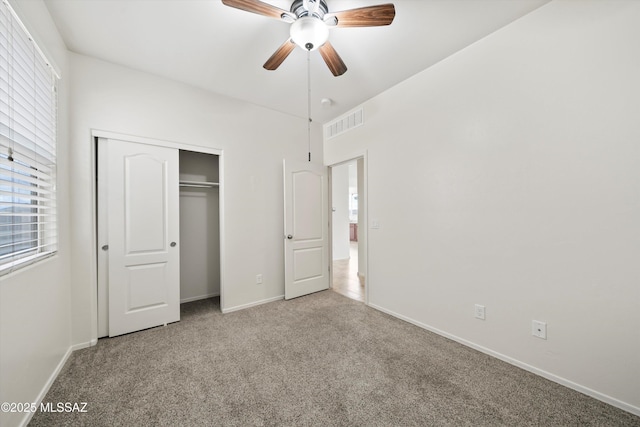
(539, 329)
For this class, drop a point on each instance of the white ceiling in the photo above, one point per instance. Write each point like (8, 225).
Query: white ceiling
(214, 47)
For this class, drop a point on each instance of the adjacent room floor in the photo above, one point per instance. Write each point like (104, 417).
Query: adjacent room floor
(345, 275)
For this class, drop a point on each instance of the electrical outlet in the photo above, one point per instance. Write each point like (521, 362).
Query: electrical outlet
(480, 312)
(258, 279)
(539, 329)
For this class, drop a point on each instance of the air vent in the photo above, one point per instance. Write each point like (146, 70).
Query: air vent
(347, 122)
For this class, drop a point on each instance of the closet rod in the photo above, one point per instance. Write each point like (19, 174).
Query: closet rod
(199, 184)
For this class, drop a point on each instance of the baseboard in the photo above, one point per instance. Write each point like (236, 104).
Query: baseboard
(47, 385)
(191, 299)
(252, 304)
(84, 345)
(551, 377)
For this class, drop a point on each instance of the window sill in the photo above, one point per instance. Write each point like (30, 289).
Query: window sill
(18, 265)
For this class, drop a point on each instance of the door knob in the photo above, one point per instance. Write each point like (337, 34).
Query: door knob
(105, 248)
(289, 236)
(172, 244)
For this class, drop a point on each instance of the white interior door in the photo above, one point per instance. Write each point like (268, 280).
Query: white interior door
(306, 229)
(143, 229)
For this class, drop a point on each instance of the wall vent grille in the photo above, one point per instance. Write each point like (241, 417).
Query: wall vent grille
(342, 124)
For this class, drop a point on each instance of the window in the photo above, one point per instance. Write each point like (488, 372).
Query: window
(27, 147)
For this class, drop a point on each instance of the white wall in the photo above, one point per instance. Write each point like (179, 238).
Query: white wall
(520, 157)
(34, 302)
(340, 208)
(109, 97)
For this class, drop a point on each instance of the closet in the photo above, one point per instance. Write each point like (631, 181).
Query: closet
(158, 230)
(199, 226)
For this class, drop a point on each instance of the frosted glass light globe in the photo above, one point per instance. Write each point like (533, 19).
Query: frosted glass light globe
(309, 33)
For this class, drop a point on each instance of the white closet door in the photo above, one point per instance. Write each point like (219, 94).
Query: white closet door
(143, 231)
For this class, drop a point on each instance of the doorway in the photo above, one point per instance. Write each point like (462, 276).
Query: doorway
(348, 231)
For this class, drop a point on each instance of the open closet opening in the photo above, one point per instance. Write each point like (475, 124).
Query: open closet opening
(199, 226)
(158, 210)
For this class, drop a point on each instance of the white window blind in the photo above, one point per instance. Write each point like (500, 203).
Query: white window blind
(28, 229)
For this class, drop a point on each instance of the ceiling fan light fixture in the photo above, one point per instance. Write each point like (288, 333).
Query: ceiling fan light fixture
(309, 33)
(310, 21)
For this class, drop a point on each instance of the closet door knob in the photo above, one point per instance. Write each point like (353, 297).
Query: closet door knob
(172, 244)
(105, 248)
(289, 236)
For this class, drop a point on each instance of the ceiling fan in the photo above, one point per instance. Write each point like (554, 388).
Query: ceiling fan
(310, 22)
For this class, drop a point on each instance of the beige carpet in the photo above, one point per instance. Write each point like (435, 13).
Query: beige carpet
(319, 360)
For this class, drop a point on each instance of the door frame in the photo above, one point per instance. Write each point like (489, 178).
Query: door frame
(362, 228)
(100, 256)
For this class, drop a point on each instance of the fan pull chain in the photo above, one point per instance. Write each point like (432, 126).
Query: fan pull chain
(309, 101)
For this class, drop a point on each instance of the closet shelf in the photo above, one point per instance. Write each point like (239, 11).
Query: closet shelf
(199, 184)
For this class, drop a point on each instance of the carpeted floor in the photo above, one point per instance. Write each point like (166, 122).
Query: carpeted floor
(319, 360)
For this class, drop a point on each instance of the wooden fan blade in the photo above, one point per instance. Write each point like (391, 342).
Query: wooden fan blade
(370, 16)
(256, 6)
(332, 59)
(279, 55)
